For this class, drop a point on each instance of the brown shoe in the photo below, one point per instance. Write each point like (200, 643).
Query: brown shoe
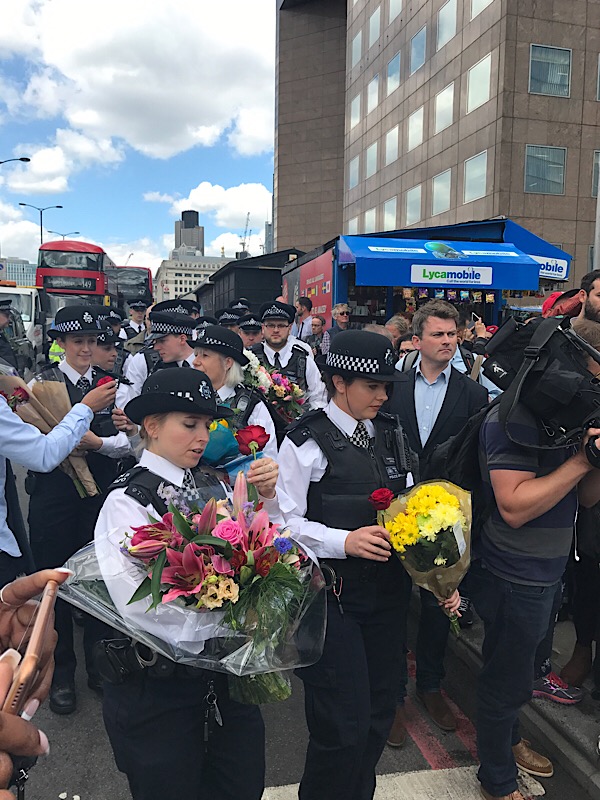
(578, 667)
(397, 735)
(512, 796)
(438, 710)
(530, 761)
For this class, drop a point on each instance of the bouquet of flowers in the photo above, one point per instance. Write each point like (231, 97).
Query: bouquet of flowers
(220, 588)
(430, 531)
(43, 406)
(286, 397)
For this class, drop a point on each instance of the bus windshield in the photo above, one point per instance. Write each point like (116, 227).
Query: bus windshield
(60, 259)
(129, 283)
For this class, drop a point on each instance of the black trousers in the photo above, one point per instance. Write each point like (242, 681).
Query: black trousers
(350, 696)
(60, 523)
(156, 729)
(11, 567)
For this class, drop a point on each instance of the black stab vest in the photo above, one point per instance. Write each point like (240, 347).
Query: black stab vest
(142, 484)
(295, 369)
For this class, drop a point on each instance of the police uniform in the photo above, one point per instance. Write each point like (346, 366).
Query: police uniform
(294, 360)
(132, 328)
(60, 521)
(329, 465)
(229, 317)
(155, 716)
(6, 351)
(147, 361)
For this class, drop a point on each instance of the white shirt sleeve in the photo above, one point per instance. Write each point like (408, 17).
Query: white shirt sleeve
(316, 394)
(136, 371)
(298, 467)
(260, 416)
(124, 394)
(118, 446)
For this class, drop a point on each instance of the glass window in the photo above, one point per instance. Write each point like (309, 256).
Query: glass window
(353, 170)
(413, 205)
(418, 46)
(446, 27)
(356, 49)
(444, 108)
(478, 83)
(370, 220)
(545, 169)
(595, 173)
(391, 145)
(374, 26)
(355, 111)
(550, 71)
(441, 192)
(372, 94)
(395, 9)
(477, 6)
(389, 214)
(371, 158)
(393, 74)
(415, 129)
(352, 226)
(475, 179)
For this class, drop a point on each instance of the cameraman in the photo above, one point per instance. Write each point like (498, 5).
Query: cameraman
(519, 559)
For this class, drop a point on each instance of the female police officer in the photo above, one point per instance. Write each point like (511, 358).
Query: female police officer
(330, 462)
(155, 718)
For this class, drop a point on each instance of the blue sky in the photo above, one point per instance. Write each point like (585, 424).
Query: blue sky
(130, 124)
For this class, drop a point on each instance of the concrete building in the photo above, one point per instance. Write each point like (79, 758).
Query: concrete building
(453, 110)
(19, 270)
(183, 271)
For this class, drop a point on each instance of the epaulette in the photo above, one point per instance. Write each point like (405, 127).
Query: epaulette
(299, 430)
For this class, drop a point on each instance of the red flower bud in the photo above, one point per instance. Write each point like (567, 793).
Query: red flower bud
(252, 439)
(381, 499)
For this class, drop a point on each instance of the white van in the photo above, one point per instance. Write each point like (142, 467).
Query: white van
(26, 300)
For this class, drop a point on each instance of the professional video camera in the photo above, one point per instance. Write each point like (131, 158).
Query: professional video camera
(543, 365)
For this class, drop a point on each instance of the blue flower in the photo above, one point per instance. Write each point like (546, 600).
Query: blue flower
(283, 544)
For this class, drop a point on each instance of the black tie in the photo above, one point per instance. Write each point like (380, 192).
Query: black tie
(185, 364)
(83, 385)
(277, 361)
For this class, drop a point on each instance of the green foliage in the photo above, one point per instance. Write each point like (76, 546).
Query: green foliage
(156, 579)
(142, 591)
(181, 524)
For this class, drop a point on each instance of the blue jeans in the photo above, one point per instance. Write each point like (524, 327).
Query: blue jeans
(516, 620)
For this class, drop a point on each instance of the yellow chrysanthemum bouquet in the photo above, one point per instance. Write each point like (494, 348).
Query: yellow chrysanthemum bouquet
(430, 531)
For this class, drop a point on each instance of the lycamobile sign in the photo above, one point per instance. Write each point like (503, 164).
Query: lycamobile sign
(458, 276)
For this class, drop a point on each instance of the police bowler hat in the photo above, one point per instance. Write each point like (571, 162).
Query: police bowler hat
(223, 340)
(167, 390)
(74, 319)
(361, 354)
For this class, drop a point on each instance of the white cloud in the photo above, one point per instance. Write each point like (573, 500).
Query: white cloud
(227, 207)
(230, 242)
(20, 29)
(146, 252)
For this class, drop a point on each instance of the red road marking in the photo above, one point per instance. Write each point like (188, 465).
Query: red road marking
(427, 742)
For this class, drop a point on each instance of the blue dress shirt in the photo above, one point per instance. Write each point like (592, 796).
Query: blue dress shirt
(25, 445)
(429, 398)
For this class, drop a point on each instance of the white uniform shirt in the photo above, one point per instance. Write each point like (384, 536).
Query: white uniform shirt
(259, 416)
(117, 517)
(301, 466)
(122, 334)
(138, 327)
(316, 393)
(136, 370)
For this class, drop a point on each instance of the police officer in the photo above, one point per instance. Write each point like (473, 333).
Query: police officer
(250, 330)
(155, 715)
(205, 321)
(219, 353)
(135, 324)
(283, 353)
(115, 319)
(330, 462)
(60, 520)
(229, 318)
(6, 351)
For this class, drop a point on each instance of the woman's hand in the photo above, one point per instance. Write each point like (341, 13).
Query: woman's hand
(452, 604)
(89, 442)
(122, 423)
(263, 474)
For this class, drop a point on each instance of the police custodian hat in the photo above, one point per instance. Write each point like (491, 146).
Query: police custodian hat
(166, 390)
(361, 354)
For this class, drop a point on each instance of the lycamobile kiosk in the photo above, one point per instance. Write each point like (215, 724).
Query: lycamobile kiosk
(469, 264)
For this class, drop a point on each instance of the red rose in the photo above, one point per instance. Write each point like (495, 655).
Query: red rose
(252, 439)
(105, 379)
(381, 499)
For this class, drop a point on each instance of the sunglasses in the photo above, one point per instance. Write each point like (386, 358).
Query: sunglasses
(343, 313)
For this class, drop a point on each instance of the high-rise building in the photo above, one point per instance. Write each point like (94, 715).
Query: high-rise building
(188, 231)
(183, 271)
(453, 110)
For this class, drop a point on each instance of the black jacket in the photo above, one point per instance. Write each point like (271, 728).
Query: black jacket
(464, 398)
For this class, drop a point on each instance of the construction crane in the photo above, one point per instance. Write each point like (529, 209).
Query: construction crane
(245, 241)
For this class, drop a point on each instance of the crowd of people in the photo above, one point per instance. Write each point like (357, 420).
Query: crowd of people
(378, 402)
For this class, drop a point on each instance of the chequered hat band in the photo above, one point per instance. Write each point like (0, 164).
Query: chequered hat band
(72, 325)
(227, 315)
(274, 311)
(167, 327)
(353, 363)
(202, 339)
(247, 323)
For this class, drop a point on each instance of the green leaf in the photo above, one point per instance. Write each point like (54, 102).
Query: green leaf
(245, 574)
(252, 494)
(181, 523)
(153, 520)
(156, 578)
(142, 591)
(218, 544)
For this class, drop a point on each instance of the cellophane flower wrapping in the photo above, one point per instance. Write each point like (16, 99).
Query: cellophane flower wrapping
(435, 555)
(265, 619)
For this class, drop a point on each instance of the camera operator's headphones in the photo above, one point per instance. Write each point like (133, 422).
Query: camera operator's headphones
(543, 366)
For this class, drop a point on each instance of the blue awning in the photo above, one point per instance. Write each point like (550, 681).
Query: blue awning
(425, 262)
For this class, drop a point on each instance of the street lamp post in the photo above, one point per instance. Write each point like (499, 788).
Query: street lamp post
(23, 158)
(64, 235)
(41, 210)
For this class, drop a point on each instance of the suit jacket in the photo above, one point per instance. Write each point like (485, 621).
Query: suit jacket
(464, 398)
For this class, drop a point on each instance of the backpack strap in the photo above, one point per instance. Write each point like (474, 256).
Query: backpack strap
(409, 360)
(476, 368)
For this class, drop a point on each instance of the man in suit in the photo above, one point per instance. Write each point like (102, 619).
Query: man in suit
(433, 401)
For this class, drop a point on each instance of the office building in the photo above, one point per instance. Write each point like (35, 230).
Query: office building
(184, 271)
(453, 110)
(188, 232)
(18, 270)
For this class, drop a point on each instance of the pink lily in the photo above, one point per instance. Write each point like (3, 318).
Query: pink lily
(206, 521)
(261, 531)
(221, 565)
(186, 572)
(147, 549)
(240, 494)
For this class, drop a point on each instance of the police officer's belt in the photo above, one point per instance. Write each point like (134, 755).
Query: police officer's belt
(118, 660)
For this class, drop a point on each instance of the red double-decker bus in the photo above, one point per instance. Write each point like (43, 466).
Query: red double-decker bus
(127, 284)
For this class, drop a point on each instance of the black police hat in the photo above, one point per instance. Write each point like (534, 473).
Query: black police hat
(107, 335)
(277, 310)
(114, 316)
(228, 316)
(177, 306)
(162, 324)
(166, 390)
(74, 319)
(203, 322)
(361, 354)
(250, 323)
(223, 340)
(138, 305)
(5, 304)
(240, 305)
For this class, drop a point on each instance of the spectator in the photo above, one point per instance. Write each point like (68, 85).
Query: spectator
(316, 337)
(589, 295)
(405, 344)
(398, 327)
(302, 324)
(341, 322)
(373, 327)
